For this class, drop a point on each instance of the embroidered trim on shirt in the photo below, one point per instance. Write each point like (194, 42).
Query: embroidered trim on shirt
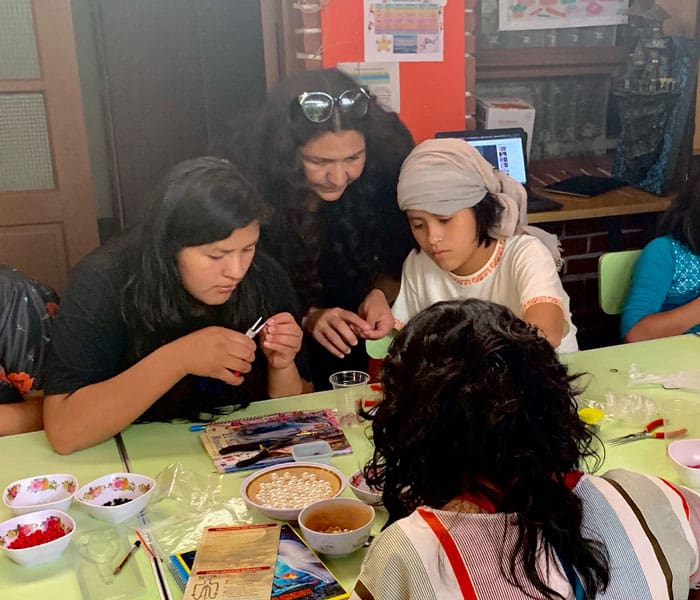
(540, 299)
(485, 271)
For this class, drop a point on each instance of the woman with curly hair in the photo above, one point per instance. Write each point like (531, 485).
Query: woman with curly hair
(326, 157)
(152, 326)
(664, 297)
(478, 447)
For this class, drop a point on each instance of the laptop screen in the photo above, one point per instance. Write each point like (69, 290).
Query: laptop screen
(503, 148)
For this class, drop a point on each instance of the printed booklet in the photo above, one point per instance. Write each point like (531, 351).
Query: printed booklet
(299, 573)
(257, 442)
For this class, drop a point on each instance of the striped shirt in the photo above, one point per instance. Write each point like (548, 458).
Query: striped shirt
(649, 526)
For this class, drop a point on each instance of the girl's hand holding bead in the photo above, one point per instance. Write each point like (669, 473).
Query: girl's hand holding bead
(375, 310)
(280, 340)
(216, 352)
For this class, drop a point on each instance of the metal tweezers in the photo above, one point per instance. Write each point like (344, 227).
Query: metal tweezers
(255, 328)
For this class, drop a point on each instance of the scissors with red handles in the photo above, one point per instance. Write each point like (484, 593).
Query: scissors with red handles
(648, 432)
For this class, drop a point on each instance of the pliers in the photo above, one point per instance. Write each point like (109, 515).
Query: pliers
(648, 432)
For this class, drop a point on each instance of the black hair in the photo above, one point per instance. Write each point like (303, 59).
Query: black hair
(487, 214)
(682, 220)
(363, 233)
(476, 402)
(200, 201)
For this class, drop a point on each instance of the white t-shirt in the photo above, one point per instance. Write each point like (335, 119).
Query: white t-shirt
(520, 273)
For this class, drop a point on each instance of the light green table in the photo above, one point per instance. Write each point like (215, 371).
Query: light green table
(152, 447)
(607, 370)
(30, 454)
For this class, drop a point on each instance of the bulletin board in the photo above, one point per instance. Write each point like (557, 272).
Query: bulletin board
(432, 93)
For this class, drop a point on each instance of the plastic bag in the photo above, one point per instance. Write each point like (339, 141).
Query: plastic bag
(185, 503)
(688, 380)
(635, 409)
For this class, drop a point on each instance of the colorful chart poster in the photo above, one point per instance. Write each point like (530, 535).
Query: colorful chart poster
(412, 30)
(382, 80)
(516, 15)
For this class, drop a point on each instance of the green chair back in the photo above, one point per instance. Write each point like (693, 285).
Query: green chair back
(614, 277)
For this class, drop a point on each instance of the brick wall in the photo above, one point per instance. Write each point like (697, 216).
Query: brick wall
(583, 241)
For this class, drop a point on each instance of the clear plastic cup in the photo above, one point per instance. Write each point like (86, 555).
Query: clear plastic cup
(348, 394)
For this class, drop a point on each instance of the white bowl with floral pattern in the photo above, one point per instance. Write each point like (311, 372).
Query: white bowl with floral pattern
(41, 492)
(36, 523)
(116, 497)
(359, 486)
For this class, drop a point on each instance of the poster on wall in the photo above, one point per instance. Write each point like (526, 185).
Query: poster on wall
(382, 80)
(516, 15)
(410, 30)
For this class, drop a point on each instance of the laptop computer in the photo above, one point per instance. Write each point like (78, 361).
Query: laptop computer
(505, 150)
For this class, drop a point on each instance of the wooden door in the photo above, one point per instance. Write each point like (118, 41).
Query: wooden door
(47, 211)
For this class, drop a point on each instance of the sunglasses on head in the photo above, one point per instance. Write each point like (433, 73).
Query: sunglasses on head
(318, 106)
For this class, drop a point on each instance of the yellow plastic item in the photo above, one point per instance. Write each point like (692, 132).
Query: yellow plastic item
(590, 415)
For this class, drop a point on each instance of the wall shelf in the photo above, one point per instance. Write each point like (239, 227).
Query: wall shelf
(518, 63)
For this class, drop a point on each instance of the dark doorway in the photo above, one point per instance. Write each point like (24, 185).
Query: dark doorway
(173, 72)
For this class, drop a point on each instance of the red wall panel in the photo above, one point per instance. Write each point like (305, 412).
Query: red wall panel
(432, 93)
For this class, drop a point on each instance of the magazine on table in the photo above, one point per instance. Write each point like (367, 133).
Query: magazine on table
(299, 573)
(257, 442)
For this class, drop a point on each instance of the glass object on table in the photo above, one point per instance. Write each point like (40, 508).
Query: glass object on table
(349, 394)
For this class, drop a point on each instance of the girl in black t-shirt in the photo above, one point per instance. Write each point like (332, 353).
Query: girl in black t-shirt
(152, 324)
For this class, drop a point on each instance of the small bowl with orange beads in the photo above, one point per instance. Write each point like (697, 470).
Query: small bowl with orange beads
(337, 526)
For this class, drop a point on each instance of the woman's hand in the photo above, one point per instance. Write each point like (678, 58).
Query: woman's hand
(336, 329)
(376, 312)
(280, 340)
(215, 352)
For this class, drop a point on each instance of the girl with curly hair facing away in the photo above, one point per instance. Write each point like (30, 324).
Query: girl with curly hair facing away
(478, 447)
(468, 221)
(327, 156)
(152, 325)
(664, 297)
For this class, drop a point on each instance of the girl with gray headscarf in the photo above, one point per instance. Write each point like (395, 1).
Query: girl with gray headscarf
(472, 241)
